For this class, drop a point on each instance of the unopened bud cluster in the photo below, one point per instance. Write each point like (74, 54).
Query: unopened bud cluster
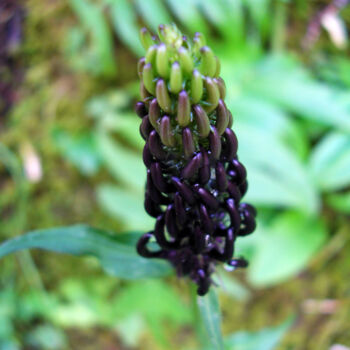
(194, 179)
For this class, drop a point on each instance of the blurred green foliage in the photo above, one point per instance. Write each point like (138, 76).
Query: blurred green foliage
(292, 117)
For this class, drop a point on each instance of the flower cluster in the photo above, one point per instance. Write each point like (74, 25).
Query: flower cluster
(194, 179)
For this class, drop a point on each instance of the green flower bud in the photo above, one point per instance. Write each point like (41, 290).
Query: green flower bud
(175, 78)
(221, 86)
(165, 132)
(208, 62)
(183, 109)
(154, 113)
(163, 97)
(196, 86)
(213, 94)
(202, 121)
(143, 91)
(148, 78)
(200, 38)
(187, 143)
(222, 118)
(162, 61)
(185, 60)
(140, 64)
(146, 38)
(151, 54)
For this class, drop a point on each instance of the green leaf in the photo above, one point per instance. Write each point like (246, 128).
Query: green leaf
(124, 164)
(254, 111)
(153, 12)
(265, 339)
(125, 23)
(330, 162)
(286, 83)
(226, 16)
(117, 259)
(276, 176)
(80, 150)
(339, 202)
(209, 310)
(187, 13)
(125, 206)
(284, 247)
(102, 41)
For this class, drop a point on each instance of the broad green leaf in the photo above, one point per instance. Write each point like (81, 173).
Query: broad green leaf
(125, 206)
(330, 162)
(276, 176)
(209, 310)
(102, 42)
(125, 23)
(111, 112)
(284, 248)
(158, 305)
(124, 164)
(80, 150)
(227, 17)
(265, 339)
(289, 86)
(339, 202)
(188, 13)
(254, 111)
(117, 259)
(153, 12)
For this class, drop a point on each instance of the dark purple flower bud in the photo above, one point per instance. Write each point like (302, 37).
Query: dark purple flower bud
(142, 247)
(191, 169)
(234, 214)
(151, 207)
(180, 209)
(233, 191)
(170, 221)
(222, 118)
(154, 113)
(237, 263)
(248, 223)
(140, 109)
(159, 234)
(187, 142)
(208, 199)
(243, 187)
(158, 179)
(221, 179)
(215, 143)
(239, 173)
(198, 240)
(206, 221)
(154, 192)
(147, 156)
(204, 171)
(184, 191)
(155, 146)
(145, 127)
(230, 145)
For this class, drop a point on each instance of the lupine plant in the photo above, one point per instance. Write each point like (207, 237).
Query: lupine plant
(195, 181)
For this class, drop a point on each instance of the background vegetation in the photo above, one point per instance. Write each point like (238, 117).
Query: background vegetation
(70, 153)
